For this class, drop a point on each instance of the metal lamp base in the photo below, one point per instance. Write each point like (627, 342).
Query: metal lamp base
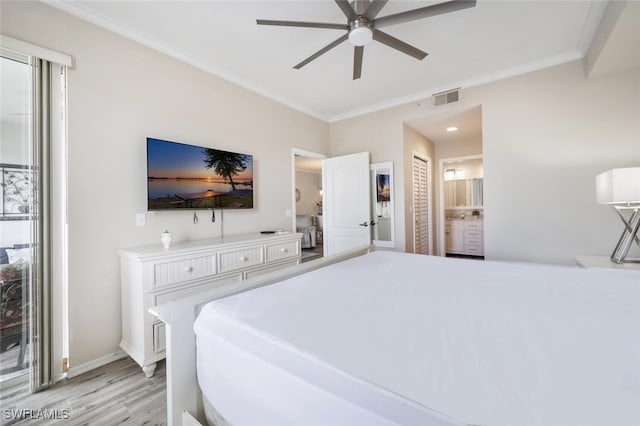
(629, 235)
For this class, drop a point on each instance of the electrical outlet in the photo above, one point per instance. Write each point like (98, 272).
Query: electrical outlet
(141, 219)
(287, 212)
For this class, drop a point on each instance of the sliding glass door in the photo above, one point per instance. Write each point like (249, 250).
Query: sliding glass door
(31, 135)
(18, 213)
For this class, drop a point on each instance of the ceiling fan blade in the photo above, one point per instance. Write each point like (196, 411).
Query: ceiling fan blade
(400, 45)
(302, 24)
(357, 61)
(375, 8)
(322, 51)
(424, 12)
(346, 8)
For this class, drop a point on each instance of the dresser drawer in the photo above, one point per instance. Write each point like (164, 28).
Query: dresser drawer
(184, 270)
(282, 250)
(239, 259)
(473, 225)
(474, 250)
(473, 233)
(472, 242)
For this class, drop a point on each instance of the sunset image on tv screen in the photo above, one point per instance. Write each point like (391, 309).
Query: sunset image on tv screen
(181, 176)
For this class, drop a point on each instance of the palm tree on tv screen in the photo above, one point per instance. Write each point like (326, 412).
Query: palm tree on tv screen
(225, 164)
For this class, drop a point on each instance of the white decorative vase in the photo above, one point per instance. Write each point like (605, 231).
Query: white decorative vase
(165, 237)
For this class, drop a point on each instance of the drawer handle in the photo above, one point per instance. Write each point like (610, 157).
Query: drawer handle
(243, 258)
(188, 268)
(284, 250)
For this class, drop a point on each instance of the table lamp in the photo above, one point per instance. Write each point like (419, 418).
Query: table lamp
(621, 189)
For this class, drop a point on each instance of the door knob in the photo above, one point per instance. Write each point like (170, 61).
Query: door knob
(365, 224)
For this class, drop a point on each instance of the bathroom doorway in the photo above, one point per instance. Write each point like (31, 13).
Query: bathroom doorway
(307, 202)
(456, 133)
(462, 183)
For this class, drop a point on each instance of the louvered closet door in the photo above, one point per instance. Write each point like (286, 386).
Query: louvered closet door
(420, 207)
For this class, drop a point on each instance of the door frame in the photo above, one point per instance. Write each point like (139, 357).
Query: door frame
(301, 153)
(442, 249)
(426, 159)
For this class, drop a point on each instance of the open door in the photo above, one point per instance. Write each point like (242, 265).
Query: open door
(346, 205)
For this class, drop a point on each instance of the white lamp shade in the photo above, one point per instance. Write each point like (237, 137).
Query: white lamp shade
(619, 186)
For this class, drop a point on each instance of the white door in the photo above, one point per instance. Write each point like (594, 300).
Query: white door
(420, 206)
(346, 204)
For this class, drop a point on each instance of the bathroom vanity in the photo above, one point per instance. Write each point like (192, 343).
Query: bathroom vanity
(465, 236)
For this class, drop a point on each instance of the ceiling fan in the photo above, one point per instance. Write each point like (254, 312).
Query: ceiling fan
(362, 26)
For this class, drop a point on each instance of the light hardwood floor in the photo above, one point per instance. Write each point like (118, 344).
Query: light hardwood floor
(115, 394)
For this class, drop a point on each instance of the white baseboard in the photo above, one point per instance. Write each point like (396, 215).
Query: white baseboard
(91, 365)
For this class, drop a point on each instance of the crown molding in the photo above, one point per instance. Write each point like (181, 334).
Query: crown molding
(476, 81)
(594, 17)
(86, 14)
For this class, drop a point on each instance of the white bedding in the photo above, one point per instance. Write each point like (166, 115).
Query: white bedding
(393, 338)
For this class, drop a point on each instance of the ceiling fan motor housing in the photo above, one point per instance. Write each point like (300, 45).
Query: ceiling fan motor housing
(360, 32)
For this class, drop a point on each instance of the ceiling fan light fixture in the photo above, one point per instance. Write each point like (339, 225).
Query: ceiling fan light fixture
(360, 36)
(360, 32)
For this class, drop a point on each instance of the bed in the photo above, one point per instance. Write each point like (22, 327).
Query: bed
(389, 338)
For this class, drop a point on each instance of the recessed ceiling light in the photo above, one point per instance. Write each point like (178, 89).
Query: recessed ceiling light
(452, 129)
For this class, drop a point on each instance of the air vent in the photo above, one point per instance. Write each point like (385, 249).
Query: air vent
(447, 97)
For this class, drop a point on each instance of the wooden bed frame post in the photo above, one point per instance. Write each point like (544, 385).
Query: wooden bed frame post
(181, 371)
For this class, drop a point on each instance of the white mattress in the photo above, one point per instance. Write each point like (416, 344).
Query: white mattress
(391, 338)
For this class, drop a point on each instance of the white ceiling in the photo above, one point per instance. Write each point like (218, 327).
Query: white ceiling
(493, 40)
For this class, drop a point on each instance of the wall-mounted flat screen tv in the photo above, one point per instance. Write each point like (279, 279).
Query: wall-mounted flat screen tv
(181, 176)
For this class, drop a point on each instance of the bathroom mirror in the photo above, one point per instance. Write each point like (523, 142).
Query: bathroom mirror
(463, 193)
(382, 223)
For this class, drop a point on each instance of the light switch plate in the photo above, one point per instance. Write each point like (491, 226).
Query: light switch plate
(141, 219)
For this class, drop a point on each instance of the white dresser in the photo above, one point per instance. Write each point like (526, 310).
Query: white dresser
(152, 276)
(465, 236)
